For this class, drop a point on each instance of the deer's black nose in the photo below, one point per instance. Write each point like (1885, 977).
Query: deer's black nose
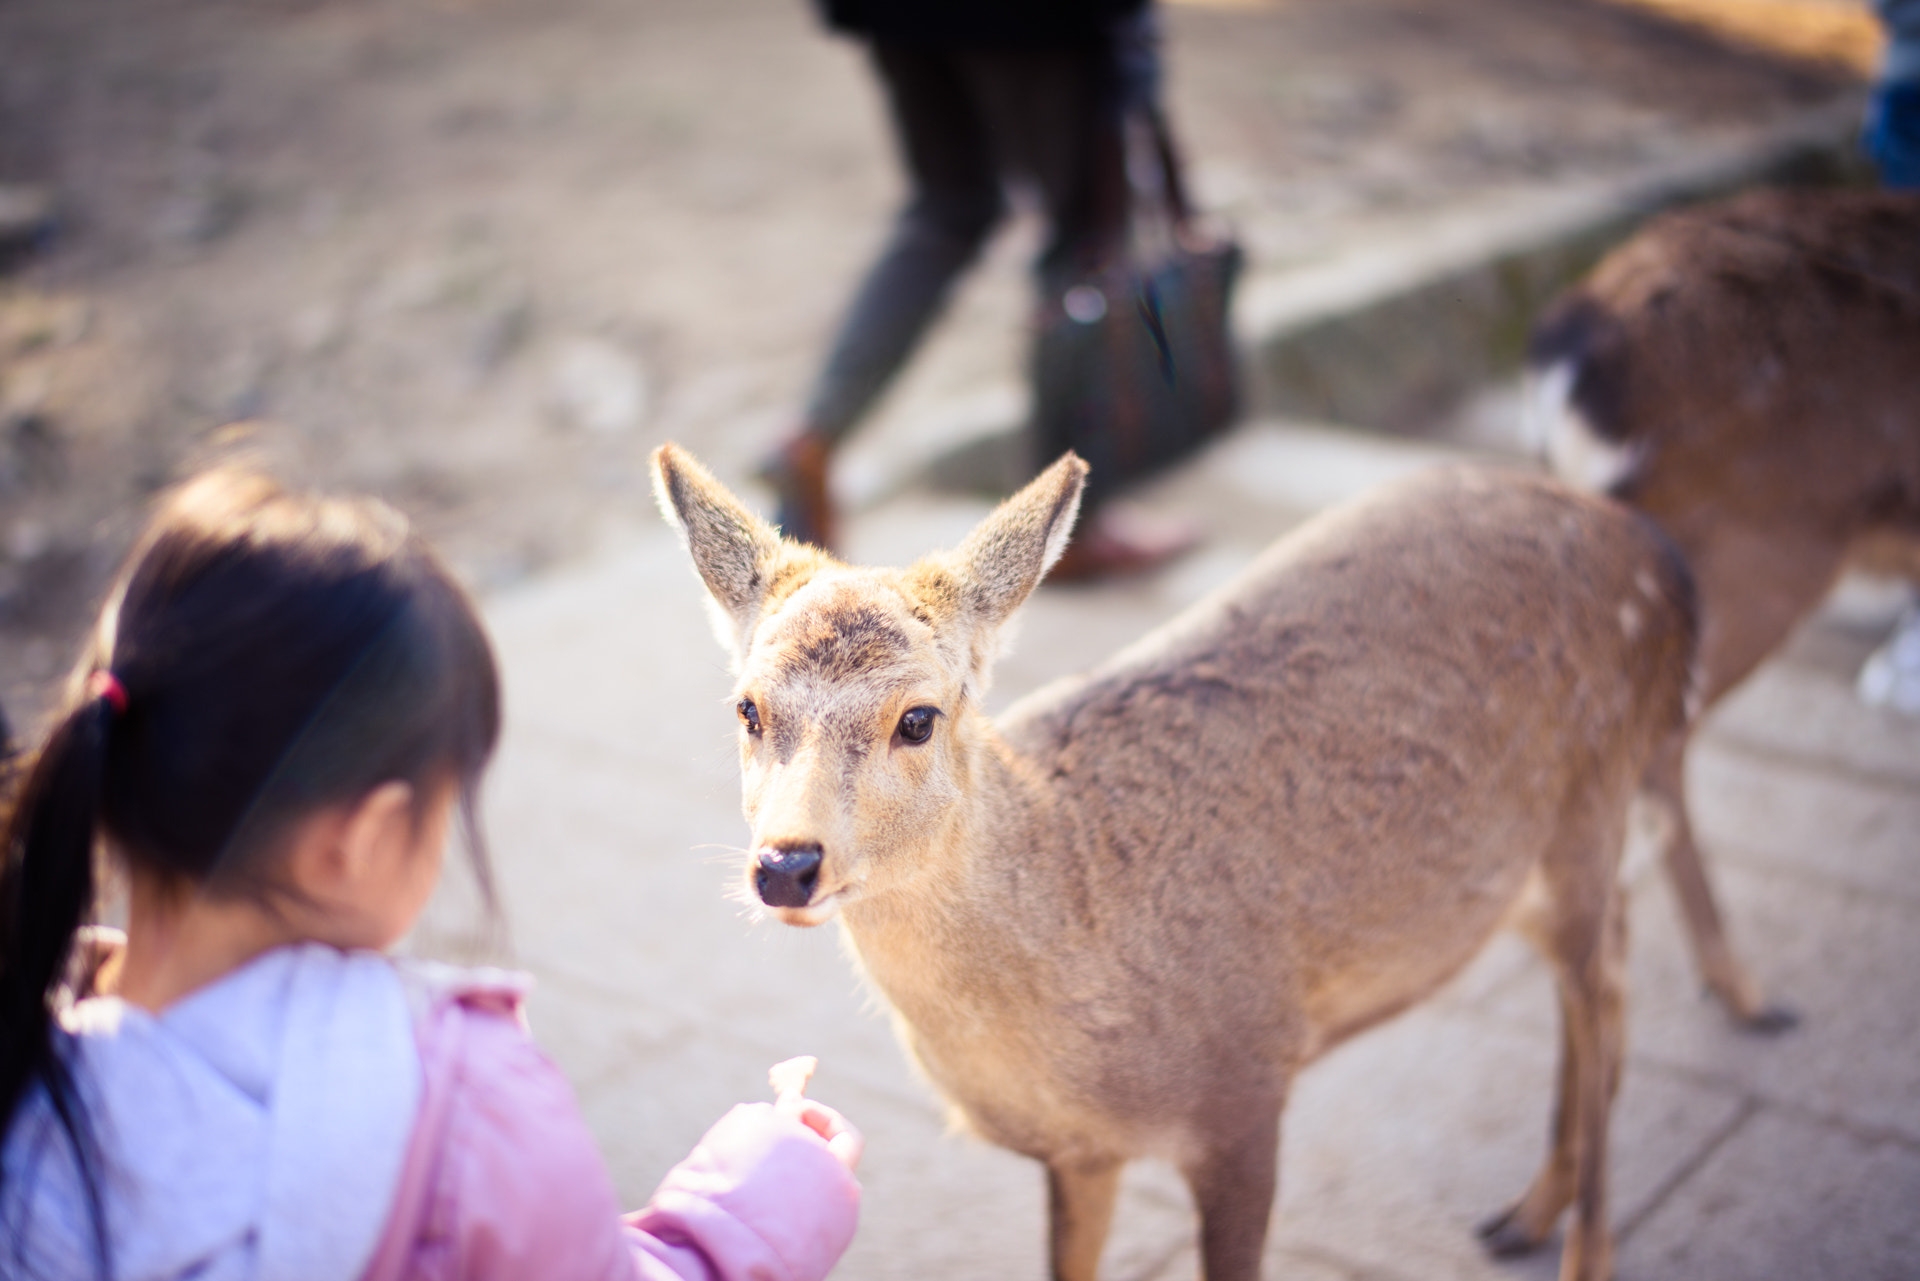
(786, 877)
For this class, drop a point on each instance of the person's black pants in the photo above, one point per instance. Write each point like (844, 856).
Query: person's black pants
(966, 121)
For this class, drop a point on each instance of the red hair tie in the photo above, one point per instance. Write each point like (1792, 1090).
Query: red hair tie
(106, 685)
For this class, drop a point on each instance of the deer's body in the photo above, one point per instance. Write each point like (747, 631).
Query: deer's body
(1748, 374)
(1117, 924)
(1314, 764)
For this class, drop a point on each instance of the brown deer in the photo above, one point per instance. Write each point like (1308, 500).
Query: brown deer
(1117, 922)
(1747, 374)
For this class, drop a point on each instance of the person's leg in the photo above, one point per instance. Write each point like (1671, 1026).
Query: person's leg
(1892, 134)
(953, 206)
(1057, 118)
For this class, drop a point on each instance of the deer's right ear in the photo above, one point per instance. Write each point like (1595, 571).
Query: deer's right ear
(734, 550)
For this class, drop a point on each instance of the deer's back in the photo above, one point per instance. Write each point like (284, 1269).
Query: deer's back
(1744, 374)
(1328, 782)
(1757, 359)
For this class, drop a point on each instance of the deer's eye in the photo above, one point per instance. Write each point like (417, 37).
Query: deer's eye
(749, 716)
(916, 725)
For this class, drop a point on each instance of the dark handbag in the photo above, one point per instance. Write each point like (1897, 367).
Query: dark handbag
(1133, 368)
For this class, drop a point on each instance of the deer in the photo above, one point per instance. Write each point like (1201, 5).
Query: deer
(1116, 920)
(1747, 374)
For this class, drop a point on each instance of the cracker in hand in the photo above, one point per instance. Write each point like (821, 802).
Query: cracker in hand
(791, 1076)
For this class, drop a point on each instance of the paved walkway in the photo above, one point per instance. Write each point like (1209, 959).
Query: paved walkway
(615, 818)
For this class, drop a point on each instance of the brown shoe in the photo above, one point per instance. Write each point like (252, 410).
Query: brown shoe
(803, 508)
(1120, 541)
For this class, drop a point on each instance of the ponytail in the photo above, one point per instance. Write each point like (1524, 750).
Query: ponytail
(46, 892)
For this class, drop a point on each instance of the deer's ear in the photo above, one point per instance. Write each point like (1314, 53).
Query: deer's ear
(735, 551)
(1009, 552)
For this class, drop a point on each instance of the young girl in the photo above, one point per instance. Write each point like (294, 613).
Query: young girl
(285, 702)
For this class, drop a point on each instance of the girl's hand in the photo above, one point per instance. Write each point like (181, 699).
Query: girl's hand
(789, 1080)
(843, 1140)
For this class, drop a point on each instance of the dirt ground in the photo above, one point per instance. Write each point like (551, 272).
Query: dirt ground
(479, 256)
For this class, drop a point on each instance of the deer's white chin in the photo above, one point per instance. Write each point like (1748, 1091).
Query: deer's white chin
(818, 912)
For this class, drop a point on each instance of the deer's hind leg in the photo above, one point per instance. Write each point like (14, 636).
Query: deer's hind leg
(1726, 977)
(1526, 1224)
(1580, 925)
(1233, 1178)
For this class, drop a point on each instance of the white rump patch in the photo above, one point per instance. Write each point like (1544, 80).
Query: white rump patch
(1631, 620)
(1556, 429)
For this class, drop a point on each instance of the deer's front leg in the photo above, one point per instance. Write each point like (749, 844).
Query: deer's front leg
(1080, 1196)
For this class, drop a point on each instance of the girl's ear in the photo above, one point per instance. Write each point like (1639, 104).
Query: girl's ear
(383, 823)
(335, 850)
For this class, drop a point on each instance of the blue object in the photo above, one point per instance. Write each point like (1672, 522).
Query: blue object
(1892, 133)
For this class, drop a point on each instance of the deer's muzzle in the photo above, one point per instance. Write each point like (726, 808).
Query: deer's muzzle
(786, 877)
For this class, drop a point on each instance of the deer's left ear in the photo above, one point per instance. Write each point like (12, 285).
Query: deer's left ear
(1009, 552)
(735, 551)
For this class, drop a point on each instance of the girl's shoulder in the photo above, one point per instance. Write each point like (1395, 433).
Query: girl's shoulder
(502, 1171)
(431, 986)
(477, 1056)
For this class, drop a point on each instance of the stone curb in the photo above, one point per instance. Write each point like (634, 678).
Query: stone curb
(1393, 335)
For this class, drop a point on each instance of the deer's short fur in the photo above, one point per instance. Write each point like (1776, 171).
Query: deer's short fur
(1119, 920)
(1748, 374)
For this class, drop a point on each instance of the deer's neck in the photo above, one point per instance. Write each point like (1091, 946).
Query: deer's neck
(959, 926)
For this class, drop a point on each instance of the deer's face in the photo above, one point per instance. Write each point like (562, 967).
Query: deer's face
(850, 760)
(857, 687)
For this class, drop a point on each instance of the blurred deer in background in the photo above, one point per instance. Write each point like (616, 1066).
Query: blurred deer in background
(1748, 374)
(1117, 922)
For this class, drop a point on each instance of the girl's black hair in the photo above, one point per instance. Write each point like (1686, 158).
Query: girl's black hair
(275, 654)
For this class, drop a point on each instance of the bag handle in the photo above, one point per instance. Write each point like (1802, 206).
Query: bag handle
(1158, 204)
(1173, 180)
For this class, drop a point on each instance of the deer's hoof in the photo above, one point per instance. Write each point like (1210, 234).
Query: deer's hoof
(1504, 1237)
(1770, 1020)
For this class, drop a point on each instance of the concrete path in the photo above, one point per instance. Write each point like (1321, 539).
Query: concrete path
(615, 822)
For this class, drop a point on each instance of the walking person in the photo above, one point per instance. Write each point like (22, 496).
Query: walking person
(1893, 108)
(285, 703)
(981, 92)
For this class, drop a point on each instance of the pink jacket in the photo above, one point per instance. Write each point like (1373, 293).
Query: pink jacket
(502, 1180)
